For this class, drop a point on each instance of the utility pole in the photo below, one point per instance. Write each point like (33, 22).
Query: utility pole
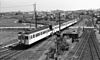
(0, 9)
(58, 36)
(0, 6)
(56, 52)
(59, 21)
(35, 15)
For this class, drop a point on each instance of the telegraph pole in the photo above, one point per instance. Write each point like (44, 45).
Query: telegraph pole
(58, 36)
(0, 6)
(0, 9)
(59, 21)
(54, 53)
(35, 15)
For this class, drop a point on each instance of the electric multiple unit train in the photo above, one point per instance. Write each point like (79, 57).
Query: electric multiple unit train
(30, 37)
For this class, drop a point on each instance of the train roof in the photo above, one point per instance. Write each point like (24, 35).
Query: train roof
(35, 30)
(40, 28)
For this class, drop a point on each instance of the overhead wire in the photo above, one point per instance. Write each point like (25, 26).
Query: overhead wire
(18, 6)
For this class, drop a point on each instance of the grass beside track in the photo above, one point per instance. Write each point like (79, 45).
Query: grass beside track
(7, 36)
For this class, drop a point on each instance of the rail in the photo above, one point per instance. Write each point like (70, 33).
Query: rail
(80, 48)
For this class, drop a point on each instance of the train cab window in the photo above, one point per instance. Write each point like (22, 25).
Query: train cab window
(20, 37)
(26, 37)
(50, 27)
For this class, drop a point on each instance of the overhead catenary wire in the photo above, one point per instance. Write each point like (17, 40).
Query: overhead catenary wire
(18, 6)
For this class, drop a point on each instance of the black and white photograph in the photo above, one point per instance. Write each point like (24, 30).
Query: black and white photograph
(49, 29)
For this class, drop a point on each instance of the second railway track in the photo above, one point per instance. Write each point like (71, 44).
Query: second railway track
(81, 46)
(91, 50)
(94, 50)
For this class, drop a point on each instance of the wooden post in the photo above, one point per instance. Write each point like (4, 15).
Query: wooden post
(59, 21)
(35, 15)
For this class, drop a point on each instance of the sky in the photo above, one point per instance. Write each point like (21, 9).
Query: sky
(47, 5)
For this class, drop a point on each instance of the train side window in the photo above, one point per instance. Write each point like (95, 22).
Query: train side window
(44, 32)
(41, 33)
(31, 36)
(37, 34)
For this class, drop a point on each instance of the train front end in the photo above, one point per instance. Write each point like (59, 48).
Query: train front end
(23, 38)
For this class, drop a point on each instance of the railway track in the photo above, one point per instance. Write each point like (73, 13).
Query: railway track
(3, 49)
(81, 47)
(71, 54)
(9, 54)
(85, 50)
(91, 50)
(94, 50)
